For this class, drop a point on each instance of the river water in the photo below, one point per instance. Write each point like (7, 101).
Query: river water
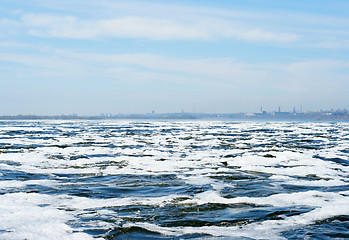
(174, 180)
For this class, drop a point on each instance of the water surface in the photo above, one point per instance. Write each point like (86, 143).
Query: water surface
(173, 180)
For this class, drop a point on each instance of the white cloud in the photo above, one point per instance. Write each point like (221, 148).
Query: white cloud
(227, 74)
(319, 76)
(260, 35)
(9, 27)
(147, 28)
(167, 21)
(217, 70)
(207, 79)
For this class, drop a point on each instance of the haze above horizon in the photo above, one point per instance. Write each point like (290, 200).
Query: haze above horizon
(89, 57)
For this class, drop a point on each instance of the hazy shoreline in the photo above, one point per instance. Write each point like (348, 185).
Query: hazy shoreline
(315, 116)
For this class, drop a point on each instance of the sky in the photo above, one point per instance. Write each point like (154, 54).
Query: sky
(90, 57)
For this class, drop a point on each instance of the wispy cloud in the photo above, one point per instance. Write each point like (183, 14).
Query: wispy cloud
(168, 21)
(9, 27)
(129, 27)
(240, 52)
(301, 77)
(147, 28)
(209, 80)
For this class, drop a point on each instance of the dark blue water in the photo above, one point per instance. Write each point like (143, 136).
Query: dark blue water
(173, 180)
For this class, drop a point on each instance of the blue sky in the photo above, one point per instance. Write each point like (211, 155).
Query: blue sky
(90, 57)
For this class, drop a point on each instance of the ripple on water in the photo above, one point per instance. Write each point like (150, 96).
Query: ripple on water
(173, 180)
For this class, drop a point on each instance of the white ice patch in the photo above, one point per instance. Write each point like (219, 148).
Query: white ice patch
(22, 184)
(31, 216)
(39, 216)
(197, 153)
(217, 231)
(309, 198)
(328, 205)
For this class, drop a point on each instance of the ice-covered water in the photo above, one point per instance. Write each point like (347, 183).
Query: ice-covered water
(173, 180)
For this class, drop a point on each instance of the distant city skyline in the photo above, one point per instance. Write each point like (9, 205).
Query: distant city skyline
(261, 111)
(90, 57)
